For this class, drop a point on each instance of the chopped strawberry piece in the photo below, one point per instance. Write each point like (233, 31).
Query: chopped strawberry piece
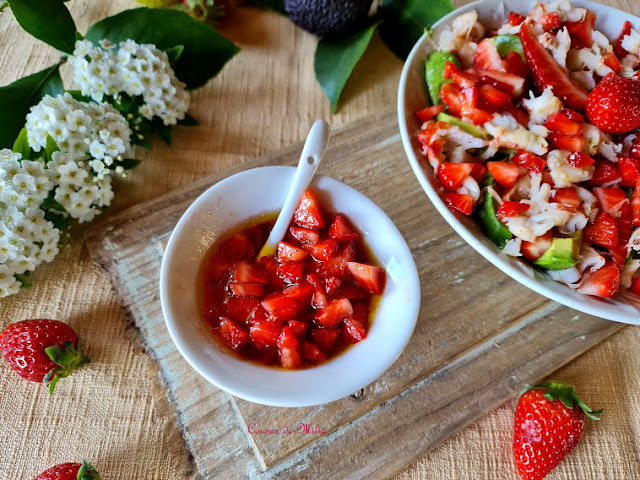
(470, 98)
(305, 235)
(611, 61)
(480, 117)
(567, 196)
(351, 291)
(450, 95)
(602, 232)
(309, 214)
(283, 315)
(289, 349)
(333, 284)
(233, 334)
(249, 272)
(316, 281)
(368, 276)
(605, 172)
(635, 283)
(462, 79)
(301, 294)
(278, 301)
(259, 315)
(246, 289)
(240, 308)
(291, 272)
(550, 22)
(341, 230)
(487, 56)
(629, 170)
(451, 175)
(290, 253)
(325, 338)
(573, 115)
(610, 199)
(624, 225)
(618, 48)
(323, 251)
(581, 32)
(635, 204)
(319, 299)
(516, 19)
(354, 330)
(521, 115)
(337, 266)
(579, 159)
(336, 311)
(604, 282)
(298, 328)
(534, 250)
(312, 353)
(529, 161)
(460, 202)
(547, 72)
(511, 209)
(507, 82)
(559, 122)
(265, 335)
(428, 113)
(237, 248)
(478, 172)
(566, 142)
(515, 65)
(504, 173)
(272, 268)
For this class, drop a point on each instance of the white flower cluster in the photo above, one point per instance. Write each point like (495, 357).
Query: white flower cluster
(26, 238)
(132, 69)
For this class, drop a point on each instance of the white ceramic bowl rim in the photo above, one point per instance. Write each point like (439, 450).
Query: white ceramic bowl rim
(625, 308)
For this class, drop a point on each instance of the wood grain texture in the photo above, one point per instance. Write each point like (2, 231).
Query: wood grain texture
(480, 336)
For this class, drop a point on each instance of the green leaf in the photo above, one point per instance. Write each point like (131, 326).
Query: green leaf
(335, 60)
(3, 4)
(405, 21)
(61, 221)
(275, 5)
(87, 472)
(188, 121)
(21, 145)
(129, 163)
(174, 53)
(17, 97)
(50, 149)
(47, 20)
(205, 50)
(52, 204)
(77, 95)
(69, 358)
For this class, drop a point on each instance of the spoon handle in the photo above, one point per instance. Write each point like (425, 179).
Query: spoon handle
(314, 148)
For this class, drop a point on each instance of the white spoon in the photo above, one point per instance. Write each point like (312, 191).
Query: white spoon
(314, 148)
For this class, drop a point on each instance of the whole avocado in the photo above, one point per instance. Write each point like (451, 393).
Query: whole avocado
(327, 18)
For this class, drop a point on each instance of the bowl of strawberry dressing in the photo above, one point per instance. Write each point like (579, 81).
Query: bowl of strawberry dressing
(284, 360)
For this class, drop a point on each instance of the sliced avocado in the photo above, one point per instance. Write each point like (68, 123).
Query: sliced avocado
(563, 253)
(433, 70)
(496, 231)
(467, 127)
(505, 44)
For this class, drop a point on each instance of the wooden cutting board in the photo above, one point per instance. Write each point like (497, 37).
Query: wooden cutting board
(479, 338)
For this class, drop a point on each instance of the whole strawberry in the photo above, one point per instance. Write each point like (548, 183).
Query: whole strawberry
(614, 105)
(549, 422)
(70, 471)
(42, 350)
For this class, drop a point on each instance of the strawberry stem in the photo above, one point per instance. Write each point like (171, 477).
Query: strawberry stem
(87, 472)
(69, 358)
(566, 394)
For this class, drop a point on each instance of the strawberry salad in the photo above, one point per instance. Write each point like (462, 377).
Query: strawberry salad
(535, 131)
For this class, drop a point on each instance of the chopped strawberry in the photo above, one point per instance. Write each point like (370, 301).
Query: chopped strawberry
(337, 266)
(547, 71)
(516, 19)
(504, 173)
(635, 204)
(559, 122)
(324, 250)
(325, 338)
(478, 172)
(291, 272)
(259, 315)
(238, 248)
(511, 209)
(515, 65)
(246, 289)
(611, 61)
(233, 334)
(336, 311)
(579, 159)
(507, 82)
(290, 253)
(289, 349)
(487, 56)
(581, 32)
(451, 175)
(319, 299)
(272, 268)
(567, 196)
(341, 230)
(305, 235)
(635, 146)
(566, 142)
(298, 328)
(301, 294)
(249, 272)
(368, 276)
(612, 105)
(309, 214)
(354, 330)
(333, 284)
(635, 284)
(351, 291)
(450, 95)
(629, 170)
(610, 199)
(550, 22)
(602, 232)
(534, 250)
(521, 115)
(604, 282)
(572, 115)
(316, 281)
(462, 79)
(312, 353)
(428, 113)
(240, 308)
(470, 97)
(460, 202)
(480, 117)
(529, 161)
(278, 301)
(265, 335)
(605, 172)
(618, 48)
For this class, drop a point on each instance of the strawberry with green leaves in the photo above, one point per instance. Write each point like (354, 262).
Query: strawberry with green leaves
(70, 471)
(549, 421)
(42, 350)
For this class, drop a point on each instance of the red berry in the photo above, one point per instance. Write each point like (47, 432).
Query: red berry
(614, 105)
(69, 471)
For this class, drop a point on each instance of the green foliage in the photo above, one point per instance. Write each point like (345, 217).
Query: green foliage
(21, 145)
(335, 60)
(129, 163)
(205, 50)
(47, 20)
(17, 97)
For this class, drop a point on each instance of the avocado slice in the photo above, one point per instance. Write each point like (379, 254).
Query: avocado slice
(433, 70)
(563, 253)
(494, 228)
(467, 127)
(505, 44)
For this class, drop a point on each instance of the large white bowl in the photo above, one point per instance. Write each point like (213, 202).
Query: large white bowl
(250, 194)
(412, 96)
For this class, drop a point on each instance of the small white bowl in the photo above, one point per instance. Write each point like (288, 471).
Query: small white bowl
(412, 96)
(250, 194)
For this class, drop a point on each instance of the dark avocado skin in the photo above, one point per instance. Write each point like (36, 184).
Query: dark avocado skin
(328, 18)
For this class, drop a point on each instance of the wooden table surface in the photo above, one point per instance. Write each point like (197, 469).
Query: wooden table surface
(265, 98)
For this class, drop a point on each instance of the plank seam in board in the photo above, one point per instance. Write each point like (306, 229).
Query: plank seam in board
(242, 424)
